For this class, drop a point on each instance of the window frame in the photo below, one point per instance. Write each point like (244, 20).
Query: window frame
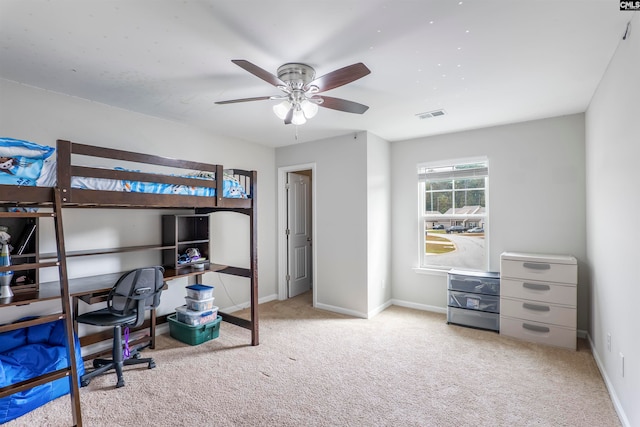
(422, 213)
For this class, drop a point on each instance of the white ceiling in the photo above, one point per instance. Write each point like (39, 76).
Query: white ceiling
(485, 62)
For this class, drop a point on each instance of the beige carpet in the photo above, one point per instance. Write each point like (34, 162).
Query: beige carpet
(314, 368)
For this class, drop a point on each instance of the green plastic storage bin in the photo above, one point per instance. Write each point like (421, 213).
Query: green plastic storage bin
(194, 335)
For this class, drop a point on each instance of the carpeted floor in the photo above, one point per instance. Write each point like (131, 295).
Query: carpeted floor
(314, 368)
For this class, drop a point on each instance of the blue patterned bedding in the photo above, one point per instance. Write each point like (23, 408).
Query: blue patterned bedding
(28, 164)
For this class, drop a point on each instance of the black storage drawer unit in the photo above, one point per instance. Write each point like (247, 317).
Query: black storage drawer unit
(474, 298)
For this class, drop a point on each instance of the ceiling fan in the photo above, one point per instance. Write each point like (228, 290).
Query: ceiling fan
(300, 99)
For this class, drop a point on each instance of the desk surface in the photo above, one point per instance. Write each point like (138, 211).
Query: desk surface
(90, 285)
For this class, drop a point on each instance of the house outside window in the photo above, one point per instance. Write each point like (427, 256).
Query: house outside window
(454, 214)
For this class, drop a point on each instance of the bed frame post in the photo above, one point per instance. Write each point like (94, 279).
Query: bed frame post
(63, 169)
(219, 185)
(253, 219)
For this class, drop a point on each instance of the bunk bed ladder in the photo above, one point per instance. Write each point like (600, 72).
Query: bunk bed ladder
(74, 390)
(70, 372)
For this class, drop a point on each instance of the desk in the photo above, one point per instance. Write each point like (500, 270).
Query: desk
(95, 289)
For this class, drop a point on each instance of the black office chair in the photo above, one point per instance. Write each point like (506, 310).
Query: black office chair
(135, 292)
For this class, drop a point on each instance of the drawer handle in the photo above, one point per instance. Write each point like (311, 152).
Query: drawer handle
(535, 328)
(536, 286)
(536, 307)
(536, 266)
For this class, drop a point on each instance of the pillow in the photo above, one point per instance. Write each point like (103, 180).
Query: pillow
(19, 170)
(10, 147)
(21, 161)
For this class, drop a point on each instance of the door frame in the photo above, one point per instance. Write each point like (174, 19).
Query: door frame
(282, 227)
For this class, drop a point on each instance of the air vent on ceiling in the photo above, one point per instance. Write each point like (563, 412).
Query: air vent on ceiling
(430, 114)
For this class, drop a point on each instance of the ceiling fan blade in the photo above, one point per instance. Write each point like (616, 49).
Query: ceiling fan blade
(343, 105)
(340, 77)
(258, 72)
(233, 101)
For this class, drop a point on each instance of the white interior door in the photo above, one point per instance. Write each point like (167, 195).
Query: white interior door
(298, 233)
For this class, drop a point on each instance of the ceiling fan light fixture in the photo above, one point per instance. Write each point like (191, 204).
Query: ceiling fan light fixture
(282, 109)
(298, 117)
(310, 109)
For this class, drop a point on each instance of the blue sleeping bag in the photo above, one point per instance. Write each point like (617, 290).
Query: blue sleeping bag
(28, 352)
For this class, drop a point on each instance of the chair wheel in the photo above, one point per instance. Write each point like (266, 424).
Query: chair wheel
(96, 363)
(152, 364)
(84, 383)
(136, 356)
(120, 384)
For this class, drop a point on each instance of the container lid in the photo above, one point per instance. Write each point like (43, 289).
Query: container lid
(199, 287)
(475, 273)
(531, 257)
(199, 300)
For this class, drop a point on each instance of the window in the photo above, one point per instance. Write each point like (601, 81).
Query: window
(453, 214)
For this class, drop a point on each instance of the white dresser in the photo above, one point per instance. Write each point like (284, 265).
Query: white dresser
(538, 298)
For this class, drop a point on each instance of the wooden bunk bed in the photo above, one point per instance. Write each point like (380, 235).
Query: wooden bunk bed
(65, 194)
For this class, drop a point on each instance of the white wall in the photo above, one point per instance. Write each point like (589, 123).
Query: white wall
(536, 200)
(43, 117)
(340, 218)
(613, 206)
(378, 224)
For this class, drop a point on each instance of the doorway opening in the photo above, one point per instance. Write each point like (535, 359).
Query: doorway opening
(296, 212)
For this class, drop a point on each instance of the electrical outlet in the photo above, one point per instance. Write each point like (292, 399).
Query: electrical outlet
(622, 364)
(608, 341)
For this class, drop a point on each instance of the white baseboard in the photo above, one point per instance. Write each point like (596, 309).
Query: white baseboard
(380, 309)
(612, 392)
(417, 306)
(341, 310)
(247, 304)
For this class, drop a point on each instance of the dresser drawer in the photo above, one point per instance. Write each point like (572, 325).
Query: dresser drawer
(539, 312)
(560, 269)
(476, 319)
(489, 283)
(538, 332)
(473, 301)
(539, 291)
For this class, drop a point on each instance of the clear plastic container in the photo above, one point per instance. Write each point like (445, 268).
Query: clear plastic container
(199, 304)
(199, 292)
(195, 318)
